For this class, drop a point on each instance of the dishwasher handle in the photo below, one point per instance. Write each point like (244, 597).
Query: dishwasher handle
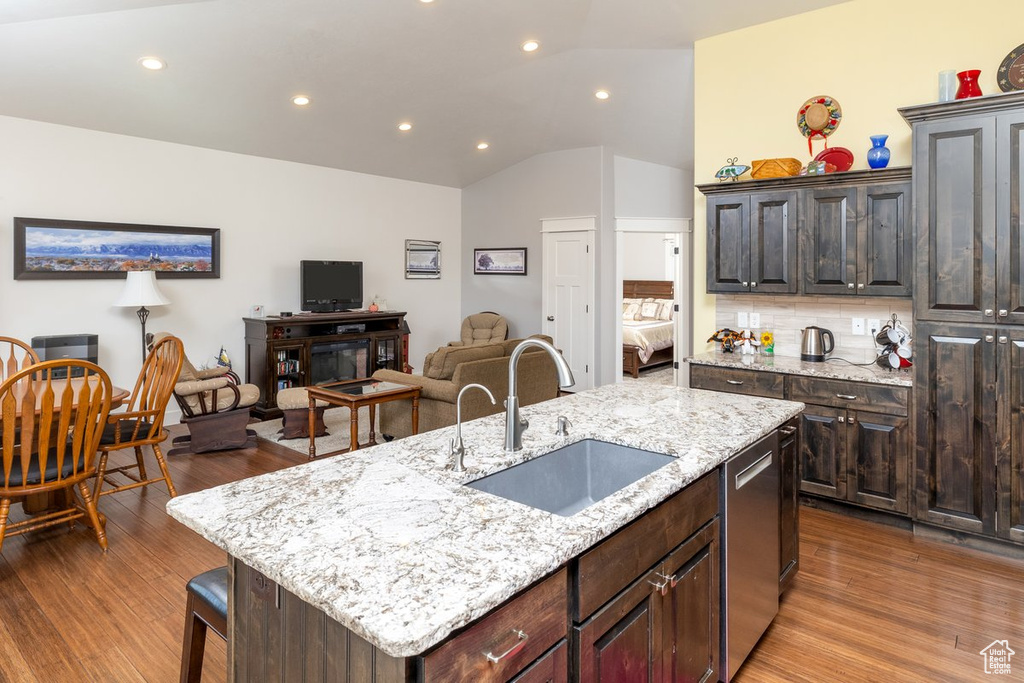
(751, 471)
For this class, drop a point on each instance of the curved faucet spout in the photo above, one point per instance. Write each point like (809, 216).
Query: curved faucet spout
(514, 424)
(457, 449)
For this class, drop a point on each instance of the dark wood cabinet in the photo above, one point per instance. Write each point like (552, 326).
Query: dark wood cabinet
(956, 425)
(857, 241)
(752, 243)
(855, 443)
(842, 233)
(664, 626)
(967, 184)
(304, 350)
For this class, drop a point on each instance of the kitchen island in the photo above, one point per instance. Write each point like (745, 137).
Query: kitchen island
(398, 554)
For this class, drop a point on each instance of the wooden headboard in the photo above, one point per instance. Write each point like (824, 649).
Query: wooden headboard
(642, 289)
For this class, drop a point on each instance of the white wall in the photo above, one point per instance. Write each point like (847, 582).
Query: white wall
(646, 190)
(505, 210)
(271, 215)
(643, 256)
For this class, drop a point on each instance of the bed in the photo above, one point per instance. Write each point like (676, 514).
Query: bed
(647, 342)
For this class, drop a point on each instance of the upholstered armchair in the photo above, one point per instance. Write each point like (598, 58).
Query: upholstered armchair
(215, 406)
(482, 328)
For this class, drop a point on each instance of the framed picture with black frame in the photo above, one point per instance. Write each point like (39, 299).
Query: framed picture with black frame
(507, 261)
(422, 260)
(56, 249)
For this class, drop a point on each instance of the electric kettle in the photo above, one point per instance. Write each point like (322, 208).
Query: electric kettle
(813, 348)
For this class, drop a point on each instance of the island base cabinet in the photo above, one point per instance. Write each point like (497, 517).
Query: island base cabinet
(664, 626)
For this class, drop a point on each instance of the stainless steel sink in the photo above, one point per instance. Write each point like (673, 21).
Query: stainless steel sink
(572, 478)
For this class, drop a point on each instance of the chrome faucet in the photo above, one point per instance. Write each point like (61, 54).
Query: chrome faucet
(456, 449)
(514, 424)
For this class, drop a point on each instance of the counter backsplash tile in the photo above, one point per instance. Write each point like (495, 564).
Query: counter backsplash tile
(787, 316)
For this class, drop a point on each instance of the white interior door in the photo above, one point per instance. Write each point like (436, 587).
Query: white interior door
(569, 300)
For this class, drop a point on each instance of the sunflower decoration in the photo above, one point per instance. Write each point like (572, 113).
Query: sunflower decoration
(768, 342)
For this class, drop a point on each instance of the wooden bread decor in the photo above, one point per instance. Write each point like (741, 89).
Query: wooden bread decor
(774, 168)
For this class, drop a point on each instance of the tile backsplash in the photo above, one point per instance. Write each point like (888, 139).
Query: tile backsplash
(787, 316)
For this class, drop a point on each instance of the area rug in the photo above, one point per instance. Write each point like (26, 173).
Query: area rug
(337, 438)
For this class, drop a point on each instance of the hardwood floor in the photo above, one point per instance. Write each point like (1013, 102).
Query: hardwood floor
(874, 603)
(871, 603)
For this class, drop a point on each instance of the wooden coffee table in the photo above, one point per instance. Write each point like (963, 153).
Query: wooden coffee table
(355, 394)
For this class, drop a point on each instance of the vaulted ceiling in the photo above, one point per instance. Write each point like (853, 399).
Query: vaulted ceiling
(452, 68)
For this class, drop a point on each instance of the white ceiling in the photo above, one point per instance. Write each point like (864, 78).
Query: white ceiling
(453, 68)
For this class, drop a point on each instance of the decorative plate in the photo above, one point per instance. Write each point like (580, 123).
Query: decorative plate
(818, 117)
(1011, 71)
(840, 157)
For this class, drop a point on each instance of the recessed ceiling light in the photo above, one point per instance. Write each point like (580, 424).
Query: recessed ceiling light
(602, 95)
(404, 127)
(482, 145)
(426, 2)
(152, 63)
(300, 100)
(530, 46)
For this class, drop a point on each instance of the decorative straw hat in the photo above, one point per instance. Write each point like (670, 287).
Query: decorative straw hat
(818, 117)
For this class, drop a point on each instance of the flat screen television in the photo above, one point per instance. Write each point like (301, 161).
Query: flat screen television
(331, 285)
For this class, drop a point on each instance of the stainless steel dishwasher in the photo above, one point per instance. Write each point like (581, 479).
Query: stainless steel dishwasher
(750, 547)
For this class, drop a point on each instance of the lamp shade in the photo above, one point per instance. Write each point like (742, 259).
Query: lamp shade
(140, 290)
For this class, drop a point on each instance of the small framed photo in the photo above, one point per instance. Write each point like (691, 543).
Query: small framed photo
(422, 260)
(499, 261)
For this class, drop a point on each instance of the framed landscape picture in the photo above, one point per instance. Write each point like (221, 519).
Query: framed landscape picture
(50, 249)
(499, 261)
(422, 260)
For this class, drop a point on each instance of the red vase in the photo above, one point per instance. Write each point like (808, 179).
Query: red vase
(968, 84)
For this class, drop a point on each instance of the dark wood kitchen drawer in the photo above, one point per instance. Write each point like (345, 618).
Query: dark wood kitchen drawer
(734, 381)
(533, 622)
(613, 564)
(875, 398)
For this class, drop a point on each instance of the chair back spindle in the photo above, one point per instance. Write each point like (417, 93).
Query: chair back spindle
(15, 355)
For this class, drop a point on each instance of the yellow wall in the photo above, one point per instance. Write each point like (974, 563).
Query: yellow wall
(871, 55)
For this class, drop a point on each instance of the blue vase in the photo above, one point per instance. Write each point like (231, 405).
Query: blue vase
(878, 155)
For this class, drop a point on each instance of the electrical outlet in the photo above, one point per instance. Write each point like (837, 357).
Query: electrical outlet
(755, 320)
(858, 326)
(874, 325)
(742, 320)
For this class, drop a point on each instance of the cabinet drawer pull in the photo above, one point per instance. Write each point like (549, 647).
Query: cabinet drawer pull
(734, 382)
(663, 586)
(847, 397)
(788, 431)
(520, 644)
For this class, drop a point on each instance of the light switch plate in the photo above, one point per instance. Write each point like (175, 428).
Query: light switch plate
(742, 320)
(755, 320)
(858, 326)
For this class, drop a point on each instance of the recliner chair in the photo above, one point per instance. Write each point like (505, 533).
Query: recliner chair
(482, 328)
(215, 407)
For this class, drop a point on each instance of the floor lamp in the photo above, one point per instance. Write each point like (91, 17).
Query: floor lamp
(140, 290)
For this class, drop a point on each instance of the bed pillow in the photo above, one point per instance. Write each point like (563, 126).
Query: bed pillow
(665, 312)
(631, 311)
(649, 310)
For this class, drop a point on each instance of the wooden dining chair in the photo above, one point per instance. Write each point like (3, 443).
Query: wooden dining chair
(15, 355)
(142, 422)
(50, 428)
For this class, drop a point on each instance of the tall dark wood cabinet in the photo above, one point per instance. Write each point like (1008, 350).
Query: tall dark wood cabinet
(841, 233)
(969, 314)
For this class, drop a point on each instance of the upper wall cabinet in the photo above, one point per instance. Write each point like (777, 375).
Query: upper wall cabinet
(752, 243)
(844, 234)
(968, 184)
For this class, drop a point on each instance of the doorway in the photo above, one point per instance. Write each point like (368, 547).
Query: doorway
(568, 293)
(667, 247)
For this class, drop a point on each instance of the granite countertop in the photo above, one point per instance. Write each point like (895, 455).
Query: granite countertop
(389, 543)
(794, 366)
